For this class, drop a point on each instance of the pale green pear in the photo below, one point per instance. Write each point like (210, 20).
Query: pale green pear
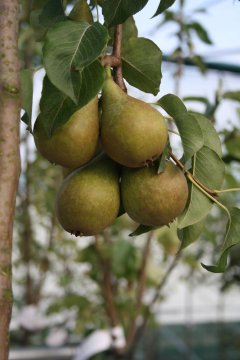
(133, 133)
(89, 198)
(154, 199)
(74, 143)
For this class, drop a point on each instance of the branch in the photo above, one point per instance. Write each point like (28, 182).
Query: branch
(9, 157)
(191, 176)
(117, 44)
(150, 306)
(27, 231)
(107, 288)
(140, 292)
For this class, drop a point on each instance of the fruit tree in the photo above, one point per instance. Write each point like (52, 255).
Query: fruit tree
(115, 150)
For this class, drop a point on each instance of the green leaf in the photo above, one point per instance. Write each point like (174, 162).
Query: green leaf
(190, 234)
(200, 31)
(209, 169)
(52, 13)
(69, 47)
(189, 129)
(197, 60)
(164, 157)
(56, 107)
(142, 229)
(26, 78)
(173, 105)
(231, 238)
(88, 82)
(129, 29)
(124, 259)
(164, 5)
(201, 99)
(117, 11)
(210, 135)
(140, 71)
(233, 147)
(232, 95)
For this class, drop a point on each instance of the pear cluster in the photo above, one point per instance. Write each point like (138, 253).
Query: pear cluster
(132, 136)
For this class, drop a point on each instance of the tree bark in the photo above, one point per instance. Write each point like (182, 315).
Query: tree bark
(9, 157)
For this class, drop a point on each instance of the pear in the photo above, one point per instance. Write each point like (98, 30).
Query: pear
(133, 133)
(89, 198)
(154, 199)
(74, 143)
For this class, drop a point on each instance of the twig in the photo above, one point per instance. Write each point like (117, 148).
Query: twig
(191, 176)
(148, 309)
(110, 60)
(140, 291)
(117, 44)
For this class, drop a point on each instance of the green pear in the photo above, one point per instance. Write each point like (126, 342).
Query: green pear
(154, 199)
(74, 143)
(89, 198)
(133, 133)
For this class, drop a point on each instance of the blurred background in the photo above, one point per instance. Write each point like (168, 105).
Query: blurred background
(62, 283)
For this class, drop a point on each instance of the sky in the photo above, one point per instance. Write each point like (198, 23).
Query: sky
(221, 19)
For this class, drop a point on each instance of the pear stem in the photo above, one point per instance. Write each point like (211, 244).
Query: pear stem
(108, 72)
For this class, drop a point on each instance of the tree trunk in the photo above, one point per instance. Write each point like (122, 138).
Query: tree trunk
(9, 157)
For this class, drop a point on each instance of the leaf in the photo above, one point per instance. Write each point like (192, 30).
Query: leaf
(121, 210)
(197, 60)
(189, 129)
(88, 82)
(200, 31)
(129, 29)
(233, 147)
(190, 234)
(117, 11)
(210, 135)
(172, 104)
(232, 95)
(52, 13)
(231, 238)
(142, 229)
(208, 168)
(164, 5)
(69, 47)
(140, 71)
(56, 108)
(201, 99)
(26, 78)
(124, 259)
(164, 157)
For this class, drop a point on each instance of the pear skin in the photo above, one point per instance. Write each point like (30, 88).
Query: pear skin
(74, 143)
(89, 198)
(133, 133)
(154, 199)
